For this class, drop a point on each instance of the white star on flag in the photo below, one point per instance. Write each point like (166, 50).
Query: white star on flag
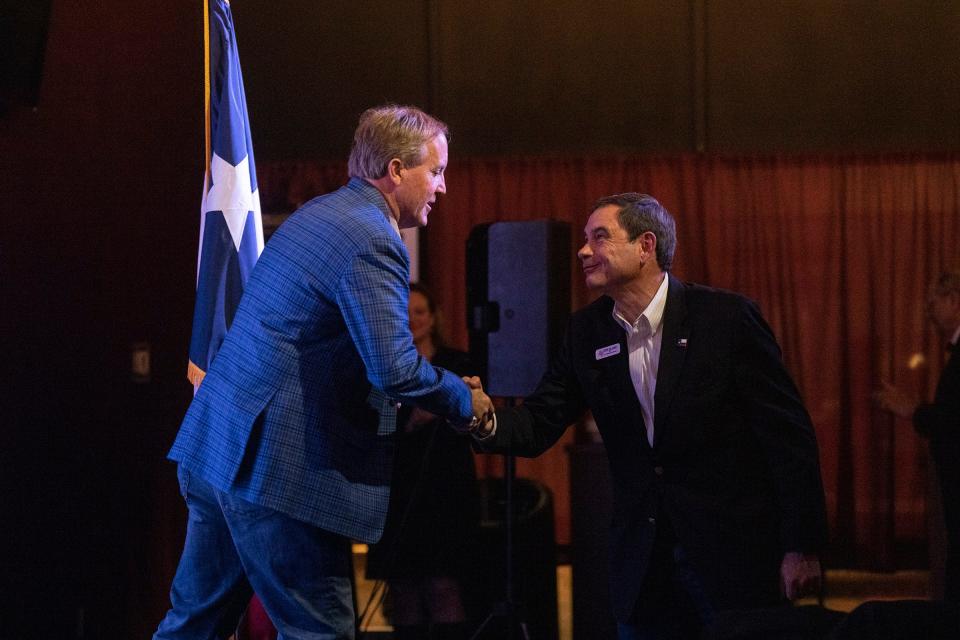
(232, 195)
(228, 250)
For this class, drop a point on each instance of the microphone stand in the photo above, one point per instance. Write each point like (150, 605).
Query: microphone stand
(507, 609)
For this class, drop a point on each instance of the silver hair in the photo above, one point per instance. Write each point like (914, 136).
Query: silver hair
(391, 131)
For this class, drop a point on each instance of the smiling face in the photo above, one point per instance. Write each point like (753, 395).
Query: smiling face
(418, 186)
(610, 259)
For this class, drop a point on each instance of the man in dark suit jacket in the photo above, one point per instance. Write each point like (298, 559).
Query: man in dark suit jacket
(940, 420)
(718, 501)
(285, 453)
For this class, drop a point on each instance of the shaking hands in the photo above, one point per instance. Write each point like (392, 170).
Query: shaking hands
(482, 423)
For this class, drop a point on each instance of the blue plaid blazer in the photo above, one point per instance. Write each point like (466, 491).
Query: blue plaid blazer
(298, 410)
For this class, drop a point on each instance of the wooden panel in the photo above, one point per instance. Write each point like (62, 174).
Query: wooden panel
(573, 76)
(566, 76)
(826, 75)
(310, 69)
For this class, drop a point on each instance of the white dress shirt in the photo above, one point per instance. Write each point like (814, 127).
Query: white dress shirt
(644, 337)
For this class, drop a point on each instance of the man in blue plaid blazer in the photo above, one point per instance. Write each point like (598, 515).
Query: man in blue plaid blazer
(285, 453)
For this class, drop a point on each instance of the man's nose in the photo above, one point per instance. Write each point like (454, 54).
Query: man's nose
(584, 251)
(442, 187)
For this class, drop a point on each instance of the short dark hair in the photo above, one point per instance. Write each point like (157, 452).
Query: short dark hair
(639, 213)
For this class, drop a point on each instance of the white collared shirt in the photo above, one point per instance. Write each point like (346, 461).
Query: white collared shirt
(644, 337)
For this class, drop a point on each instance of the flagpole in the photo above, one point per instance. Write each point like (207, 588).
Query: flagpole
(194, 373)
(206, 84)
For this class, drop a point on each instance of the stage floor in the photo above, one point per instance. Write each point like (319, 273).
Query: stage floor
(845, 590)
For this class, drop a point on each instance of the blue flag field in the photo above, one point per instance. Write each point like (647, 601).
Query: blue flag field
(231, 230)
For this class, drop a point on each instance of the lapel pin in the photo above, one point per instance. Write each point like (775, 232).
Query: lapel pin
(682, 343)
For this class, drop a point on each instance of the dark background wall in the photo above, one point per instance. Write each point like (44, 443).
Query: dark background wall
(100, 183)
(572, 76)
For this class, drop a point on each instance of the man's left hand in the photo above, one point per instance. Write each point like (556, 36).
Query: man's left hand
(800, 575)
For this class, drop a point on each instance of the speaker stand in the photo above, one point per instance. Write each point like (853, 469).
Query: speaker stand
(507, 609)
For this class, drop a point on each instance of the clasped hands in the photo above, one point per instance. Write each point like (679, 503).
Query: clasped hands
(894, 400)
(482, 408)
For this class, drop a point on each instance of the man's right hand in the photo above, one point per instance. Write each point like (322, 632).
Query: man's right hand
(482, 405)
(481, 426)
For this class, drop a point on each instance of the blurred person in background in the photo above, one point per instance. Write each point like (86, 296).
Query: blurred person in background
(428, 550)
(939, 421)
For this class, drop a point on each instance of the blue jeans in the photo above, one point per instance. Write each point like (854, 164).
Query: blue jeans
(673, 604)
(301, 573)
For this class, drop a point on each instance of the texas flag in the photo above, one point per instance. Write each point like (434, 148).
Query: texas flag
(231, 231)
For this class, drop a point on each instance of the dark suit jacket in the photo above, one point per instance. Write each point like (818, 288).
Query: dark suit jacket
(734, 463)
(940, 421)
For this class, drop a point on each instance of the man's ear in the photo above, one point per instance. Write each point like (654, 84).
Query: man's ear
(395, 170)
(648, 240)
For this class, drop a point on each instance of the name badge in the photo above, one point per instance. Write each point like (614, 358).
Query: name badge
(606, 352)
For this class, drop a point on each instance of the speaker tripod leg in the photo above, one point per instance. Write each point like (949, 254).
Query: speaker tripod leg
(483, 625)
(507, 609)
(504, 610)
(526, 632)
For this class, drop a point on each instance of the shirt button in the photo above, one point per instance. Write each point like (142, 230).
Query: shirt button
(652, 520)
(658, 470)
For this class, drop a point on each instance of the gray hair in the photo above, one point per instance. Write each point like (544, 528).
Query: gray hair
(639, 213)
(391, 131)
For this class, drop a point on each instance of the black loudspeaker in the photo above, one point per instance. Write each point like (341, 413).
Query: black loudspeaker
(518, 300)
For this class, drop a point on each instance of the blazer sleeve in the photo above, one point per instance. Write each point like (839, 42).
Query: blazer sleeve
(533, 427)
(782, 425)
(372, 296)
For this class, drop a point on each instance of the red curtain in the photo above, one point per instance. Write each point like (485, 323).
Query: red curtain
(837, 250)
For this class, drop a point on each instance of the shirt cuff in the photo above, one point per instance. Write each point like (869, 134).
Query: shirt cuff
(486, 436)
